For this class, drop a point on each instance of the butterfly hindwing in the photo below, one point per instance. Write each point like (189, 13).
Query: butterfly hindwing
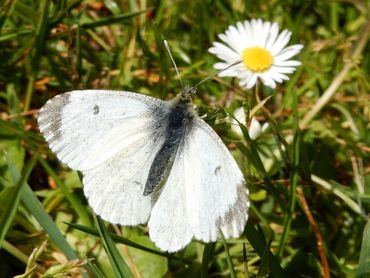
(115, 188)
(169, 226)
(205, 194)
(217, 198)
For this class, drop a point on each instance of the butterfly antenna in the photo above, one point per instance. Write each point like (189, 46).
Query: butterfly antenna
(213, 74)
(173, 62)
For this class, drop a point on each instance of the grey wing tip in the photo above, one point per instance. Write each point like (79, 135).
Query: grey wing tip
(50, 116)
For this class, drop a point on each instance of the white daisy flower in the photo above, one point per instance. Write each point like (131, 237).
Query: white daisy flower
(262, 51)
(254, 130)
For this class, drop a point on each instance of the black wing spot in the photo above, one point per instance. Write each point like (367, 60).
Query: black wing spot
(217, 170)
(96, 110)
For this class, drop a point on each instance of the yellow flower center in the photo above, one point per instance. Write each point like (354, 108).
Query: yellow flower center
(257, 59)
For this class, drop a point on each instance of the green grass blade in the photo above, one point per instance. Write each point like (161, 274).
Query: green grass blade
(257, 240)
(288, 217)
(363, 270)
(127, 242)
(34, 206)
(39, 44)
(208, 251)
(228, 258)
(13, 196)
(110, 20)
(14, 251)
(75, 202)
(118, 264)
(264, 267)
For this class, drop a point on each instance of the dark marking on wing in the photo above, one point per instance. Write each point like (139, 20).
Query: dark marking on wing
(217, 170)
(50, 117)
(179, 122)
(237, 214)
(96, 109)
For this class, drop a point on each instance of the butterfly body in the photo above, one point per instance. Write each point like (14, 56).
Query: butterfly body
(178, 121)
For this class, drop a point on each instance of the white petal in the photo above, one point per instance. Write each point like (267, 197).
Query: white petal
(284, 69)
(248, 30)
(265, 33)
(281, 42)
(265, 126)
(235, 38)
(279, 77)
(252, 81)
(290, 63)
(254, 130)
(223, 52)
(243, 36)
(268, 80)
(287, 53)
(244, 78)
(274, 31)
(240, 115)
(257, 29)
(229, 72)
(229, 40)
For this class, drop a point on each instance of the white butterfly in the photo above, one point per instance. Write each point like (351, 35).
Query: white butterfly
(148, 160)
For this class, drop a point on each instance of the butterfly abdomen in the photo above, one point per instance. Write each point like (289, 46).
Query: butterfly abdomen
(179, 123)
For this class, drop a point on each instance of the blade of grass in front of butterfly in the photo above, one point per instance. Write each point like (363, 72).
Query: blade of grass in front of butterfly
(127, 242)
(119, 266)
(228, 258)
(209, 248)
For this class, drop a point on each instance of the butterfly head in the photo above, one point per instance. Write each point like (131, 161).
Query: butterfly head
(186, 93)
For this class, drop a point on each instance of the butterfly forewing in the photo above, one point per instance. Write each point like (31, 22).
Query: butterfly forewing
(86, 128)
(115, 188)
(112, 137)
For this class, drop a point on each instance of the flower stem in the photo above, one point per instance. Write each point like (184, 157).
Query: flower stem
(294, 177)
